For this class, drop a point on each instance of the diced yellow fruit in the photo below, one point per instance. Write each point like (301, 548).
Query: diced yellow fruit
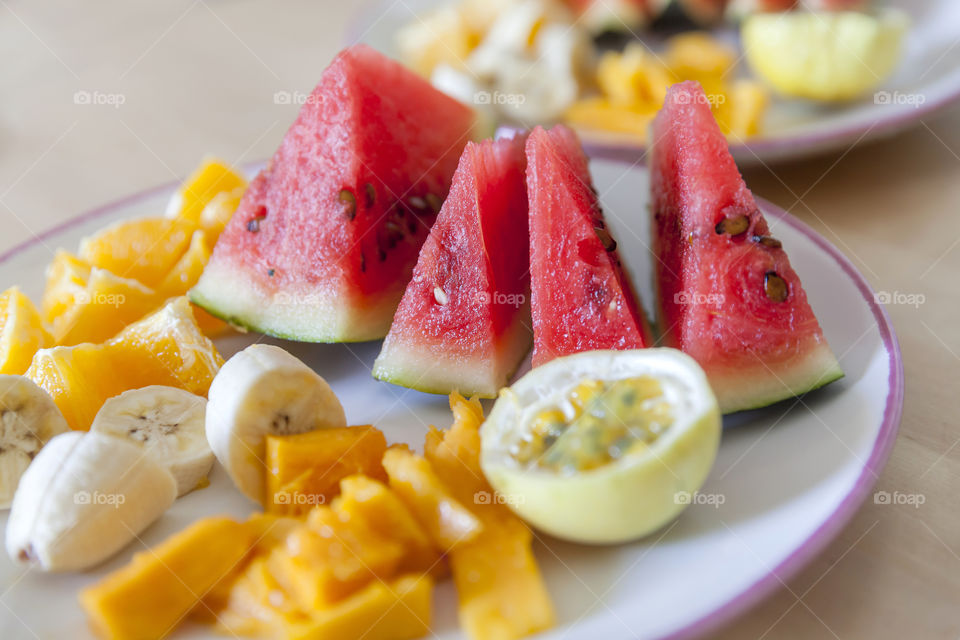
(499, 586)
(185, 274)
(742, 114)
(695, 55)
(305, 469)
(448, 522)
(165, 348)
(149, 596)
(212, 177)
(634, 78)
(217, 213)
(21, 332)
(443, 37)
(106, 305)
(257, 604)
(398, 610)
(599, 114)
(331, 558)
(145, 249)
(67, 277)
(366, 500)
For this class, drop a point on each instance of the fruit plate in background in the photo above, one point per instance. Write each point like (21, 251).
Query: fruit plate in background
(927, 79)
(786, 480)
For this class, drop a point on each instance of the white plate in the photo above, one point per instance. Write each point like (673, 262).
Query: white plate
(789, 477)
(927, 79)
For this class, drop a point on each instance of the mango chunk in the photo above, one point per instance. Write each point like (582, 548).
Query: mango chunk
(399, 610)
(447, 521)
(148, 597)
(304, 470)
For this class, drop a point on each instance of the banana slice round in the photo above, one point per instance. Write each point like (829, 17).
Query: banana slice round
(169, 423)
(263, 390)
(85, 497)
(28, 419)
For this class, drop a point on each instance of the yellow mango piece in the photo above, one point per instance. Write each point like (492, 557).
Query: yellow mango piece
(217, 213)
(448, 522)
(634, 78)
(741, 116)
(367, 500)
(500, 590)
(166, 348)
(212, 177)
(331, 558)
(599, 114)
(694, 55)
(257, 604)
(305, 469)
(67, 277)
(145, 249)
(21, 332)
(149, 596)
(398, 610)
(106, 305)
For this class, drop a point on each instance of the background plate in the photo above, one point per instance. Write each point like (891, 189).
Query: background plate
(788, 477)
(927, 79)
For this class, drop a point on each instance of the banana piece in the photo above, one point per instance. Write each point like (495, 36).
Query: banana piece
(168, 423)
(28, 419)
(85, 497)
(263, 390)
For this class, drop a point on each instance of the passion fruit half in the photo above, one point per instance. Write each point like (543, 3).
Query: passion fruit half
(603, 446)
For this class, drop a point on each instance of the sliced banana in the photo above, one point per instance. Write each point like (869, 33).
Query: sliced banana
(85, 497)
(263, 390)
(28, 419)
(169, 423)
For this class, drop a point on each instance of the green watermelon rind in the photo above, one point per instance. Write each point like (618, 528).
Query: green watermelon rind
(404, 365)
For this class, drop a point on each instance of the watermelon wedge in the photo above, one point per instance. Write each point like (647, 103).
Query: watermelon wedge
(581, 298)
(326, 237)
(461, 324)
(727, 294)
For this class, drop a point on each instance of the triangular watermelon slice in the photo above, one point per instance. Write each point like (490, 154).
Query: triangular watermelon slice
(461, 324)
(581, 298)
(727, 294)
(325, 238)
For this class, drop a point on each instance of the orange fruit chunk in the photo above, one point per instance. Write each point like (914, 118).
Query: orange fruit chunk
(145, 249)
(186, 273)
(212, 177)
(106, 305)
(166, 348)
(67, 277)
(219, 210)
(21, 332)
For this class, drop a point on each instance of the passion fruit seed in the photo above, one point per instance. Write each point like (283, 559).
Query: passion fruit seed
(371, 194)
(609, 244)
(434, 202)
(733, 226)
(349, 202)
(440, 295)
(775, 286)
(768, 241)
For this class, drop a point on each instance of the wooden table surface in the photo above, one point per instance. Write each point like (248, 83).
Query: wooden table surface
(197, 77)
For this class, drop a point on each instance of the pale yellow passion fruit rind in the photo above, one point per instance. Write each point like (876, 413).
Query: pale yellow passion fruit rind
(626, 499)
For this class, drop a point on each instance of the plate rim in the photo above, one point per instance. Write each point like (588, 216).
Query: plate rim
(828, 529)
(770, 149)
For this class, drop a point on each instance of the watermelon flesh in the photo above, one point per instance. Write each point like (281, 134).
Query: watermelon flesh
(461, 324)
(581, 298)
(727, 294)
(326, 236)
